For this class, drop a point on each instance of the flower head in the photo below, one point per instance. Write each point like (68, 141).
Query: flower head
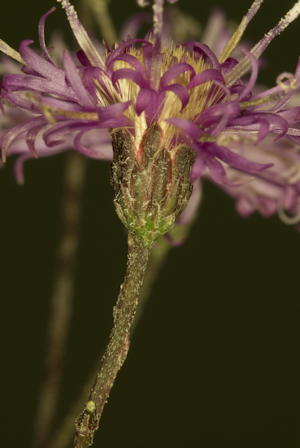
(194, 98)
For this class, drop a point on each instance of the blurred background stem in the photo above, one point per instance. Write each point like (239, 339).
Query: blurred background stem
(62, 298)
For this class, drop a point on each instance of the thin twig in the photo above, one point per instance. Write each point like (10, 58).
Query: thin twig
(61, 299)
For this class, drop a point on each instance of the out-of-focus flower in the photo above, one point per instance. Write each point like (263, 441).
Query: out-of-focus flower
(276, 190)
(98, 141)
(196, 98)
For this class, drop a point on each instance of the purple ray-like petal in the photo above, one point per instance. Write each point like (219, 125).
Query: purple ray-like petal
(236, 161)
(41, 65)
(206, 52)
(128, 73)
(20, 102)
(261, 118)
(52, 136)
(294, 139)
(30, 138)
(113, 111)
(228, 65)
(217, 170)
(19, 165)
(113, 55)
(42, 35)
(175, 71)
(75, 81)
(24, 82)
(133, 61)
(145, 97)
(18, 130)
(209, 116)
(253, 76)
(190, 128)
(210, 74)
(63, 104)
(198, 167)
(93, 153)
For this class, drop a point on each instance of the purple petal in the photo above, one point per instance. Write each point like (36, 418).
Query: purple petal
(42, 35)
(217, 170)
(82, 58)
(205, 76)
(133, 61)
(253, 76)
(206, 51)
(234, 160)
(30, 138)
(99, 75)
(175, 71)
(190, 128)
(261, 118)
(89, 81)
(19, 167)
(211, 115)
(63, 105)
(75, 81)
(24, 82)
(294, 139)
(291, 115)
(93, 153)
(18, 130)
(113, 55)
(128, 73)
(198, 167)
(20, 102)
(41, 65)
(145, 97)
(228, 65)
(113, 111)
(53, 134)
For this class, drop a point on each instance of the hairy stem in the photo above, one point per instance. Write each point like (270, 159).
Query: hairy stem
(156, 260)
(61, 299)
(67, 429)
(115, 354)
(158, 254)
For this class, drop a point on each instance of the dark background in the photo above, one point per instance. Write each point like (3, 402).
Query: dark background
(215, 360)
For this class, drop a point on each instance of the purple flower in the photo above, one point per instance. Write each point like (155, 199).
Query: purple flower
(195, 97)
(16, 119)
(276, 190)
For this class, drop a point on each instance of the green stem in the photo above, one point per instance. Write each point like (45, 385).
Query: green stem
(157, 258)
(115, 354)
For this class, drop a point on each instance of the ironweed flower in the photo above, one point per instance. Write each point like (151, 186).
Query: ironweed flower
(182, 98)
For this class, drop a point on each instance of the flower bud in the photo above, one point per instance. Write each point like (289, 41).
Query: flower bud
(151, 185)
